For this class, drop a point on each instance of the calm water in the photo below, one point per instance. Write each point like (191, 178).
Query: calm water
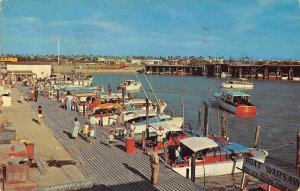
(277, 102)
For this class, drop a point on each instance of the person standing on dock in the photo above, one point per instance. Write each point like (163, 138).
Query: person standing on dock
(40, 114)
(154, 159)
(159, 137)
(75, 128)
(36, 93)
(132, 129)
(92, 121)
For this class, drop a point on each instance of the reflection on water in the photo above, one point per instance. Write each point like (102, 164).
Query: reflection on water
(277, 102)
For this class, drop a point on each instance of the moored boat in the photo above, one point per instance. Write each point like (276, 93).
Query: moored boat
(240, 83)
(214, 157)
(285, 76)
(260, 76)
(272, 76)
(130, 85)
(236, 102)
(296, 78)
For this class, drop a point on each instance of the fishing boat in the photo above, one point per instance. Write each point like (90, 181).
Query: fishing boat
(240, 83)
(214, 156)
(236, 102)
(272, 76)
(130, 85)
(285, 76)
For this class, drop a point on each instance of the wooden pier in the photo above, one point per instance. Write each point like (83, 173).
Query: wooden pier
(108, 168)
(232, 70)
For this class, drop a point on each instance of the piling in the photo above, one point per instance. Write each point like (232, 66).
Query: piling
(83, 108)
(57, 96)
(166, 154)
(193, 167)
(187, 174)
(223, 125)
(147, 117)
(298, 153)
(144, 140)
(206, 120)
(199, 120)
(173, 113)
(256, 140)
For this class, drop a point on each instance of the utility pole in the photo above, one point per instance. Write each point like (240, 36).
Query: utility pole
(58, 54)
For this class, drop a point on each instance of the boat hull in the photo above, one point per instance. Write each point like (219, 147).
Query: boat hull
(218, 168)
(238, 110)
(296, 78)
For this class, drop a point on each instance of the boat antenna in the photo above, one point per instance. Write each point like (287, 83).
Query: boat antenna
(150, 87)
(182, 102)
(58, 54)
(142, 86)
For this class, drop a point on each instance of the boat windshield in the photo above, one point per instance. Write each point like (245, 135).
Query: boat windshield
(240, 99)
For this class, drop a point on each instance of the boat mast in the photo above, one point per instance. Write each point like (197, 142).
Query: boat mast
(151, 88)
(58, 54)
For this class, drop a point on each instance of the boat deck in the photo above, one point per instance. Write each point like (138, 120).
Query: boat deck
(108, 168)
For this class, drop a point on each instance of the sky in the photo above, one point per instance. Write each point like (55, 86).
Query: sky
(259, 29)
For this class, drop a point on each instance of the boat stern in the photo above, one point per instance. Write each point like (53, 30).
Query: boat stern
(245, 110)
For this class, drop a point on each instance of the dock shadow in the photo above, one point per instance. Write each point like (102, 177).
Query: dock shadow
(35, 120)
(137, 172)
(105, 144)
(122, 147)
(68, 134)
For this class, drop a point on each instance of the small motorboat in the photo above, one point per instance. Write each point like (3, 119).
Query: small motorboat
(260, 76)
(214, 156)
(272, 76)
(296, 78)
(130, 85)
(180, 73)
(236, 102)
(240, 83)
(285, 76)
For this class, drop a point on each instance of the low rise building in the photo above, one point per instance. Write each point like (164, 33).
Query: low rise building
(41, 70)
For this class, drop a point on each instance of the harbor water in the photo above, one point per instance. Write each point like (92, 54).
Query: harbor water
(277, 102)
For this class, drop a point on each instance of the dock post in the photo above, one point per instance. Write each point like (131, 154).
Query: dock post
(193, 167)
(223, 125)
(298, 152)
(144, 140)
(256, 140)
(205, 133)
(187, 174)
(83, 108)
(173, 113)
(166, 154)
(199, 120)
(57, 96)
(147, 117)
(123, 93)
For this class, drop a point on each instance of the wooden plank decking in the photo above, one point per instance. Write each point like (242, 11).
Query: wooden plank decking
(108, 168)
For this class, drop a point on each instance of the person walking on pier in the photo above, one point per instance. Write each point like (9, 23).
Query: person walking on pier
(75, 128)
(40, 114)
(132, 129)
(154, 159)
(36, 93)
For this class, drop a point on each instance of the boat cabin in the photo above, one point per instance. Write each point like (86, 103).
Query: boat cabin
(236, 97)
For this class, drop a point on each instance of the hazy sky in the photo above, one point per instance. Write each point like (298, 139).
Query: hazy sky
(264, 29)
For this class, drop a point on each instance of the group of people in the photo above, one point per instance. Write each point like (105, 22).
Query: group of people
(89, 130)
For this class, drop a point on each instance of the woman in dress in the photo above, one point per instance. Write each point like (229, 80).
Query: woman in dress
(75, 128)
(40, 114)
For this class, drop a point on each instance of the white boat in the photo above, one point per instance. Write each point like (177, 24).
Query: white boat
(296, 78)
(224, 75)
(260, 76)
(285, 77)
(214, 158)
(160, 120)
(141, 103)
(130, 85)
(241, 83)
(236, 102)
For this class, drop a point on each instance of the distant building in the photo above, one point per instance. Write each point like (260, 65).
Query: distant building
(135, 61)
(154, 62)
(41, 70)
(8, 59)
(101, 59)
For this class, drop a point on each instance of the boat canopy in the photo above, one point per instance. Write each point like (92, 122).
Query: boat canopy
(236, 93)
(166, 126)
(199, 143)
(107, 106)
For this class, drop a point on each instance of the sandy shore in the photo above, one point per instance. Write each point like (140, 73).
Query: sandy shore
(46, 146)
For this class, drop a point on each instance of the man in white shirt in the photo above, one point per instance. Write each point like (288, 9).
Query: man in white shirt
(159, 137)
(92, 121)
(132, 129)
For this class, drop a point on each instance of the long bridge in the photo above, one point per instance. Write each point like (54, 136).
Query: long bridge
(231, 70)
